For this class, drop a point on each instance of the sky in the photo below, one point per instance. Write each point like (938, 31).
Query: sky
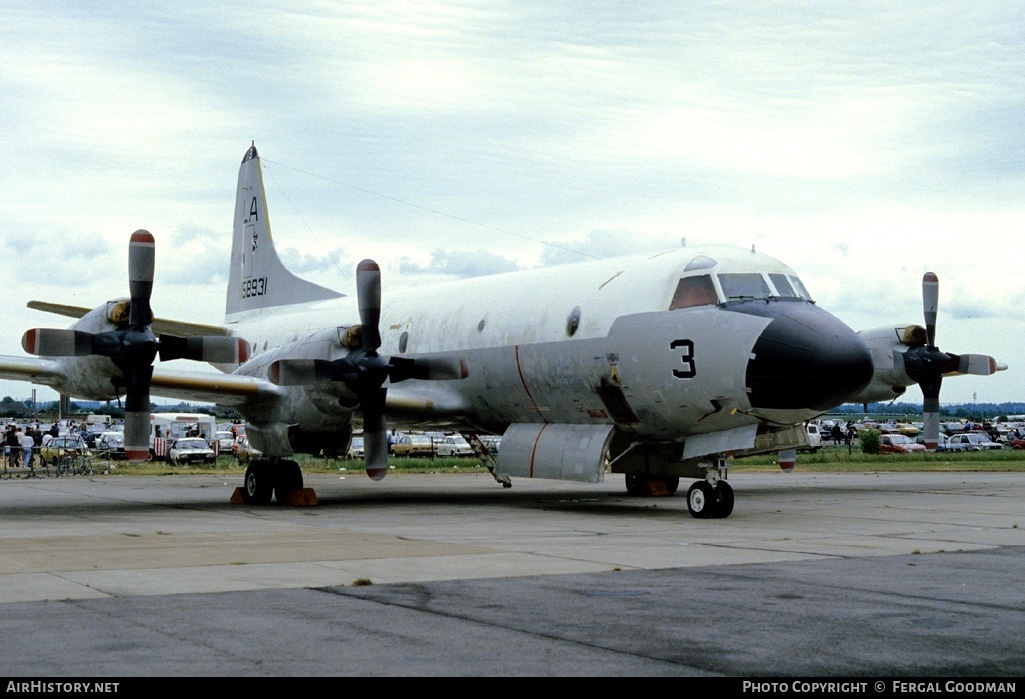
(863, 144)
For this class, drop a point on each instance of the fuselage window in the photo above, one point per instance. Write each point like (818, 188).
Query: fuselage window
(745, 285)
(573, 321)
(403, 342)
(694, 291)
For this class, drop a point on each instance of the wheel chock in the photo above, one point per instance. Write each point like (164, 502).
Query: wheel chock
(654, 487)
(303, 497)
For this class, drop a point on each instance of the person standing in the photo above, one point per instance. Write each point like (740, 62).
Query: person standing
(27, 443)
(13, 447)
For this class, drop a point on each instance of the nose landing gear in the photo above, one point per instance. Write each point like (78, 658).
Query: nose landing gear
(712, 497)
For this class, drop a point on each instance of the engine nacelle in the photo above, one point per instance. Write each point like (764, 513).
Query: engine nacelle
(887, 346)
(328, 444)
(278, 439)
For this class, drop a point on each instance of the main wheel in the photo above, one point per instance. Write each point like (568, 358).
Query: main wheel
(672, 484)
(724, 492)
(635, 483)
(257, 487)
(701, 500)
(288, 478)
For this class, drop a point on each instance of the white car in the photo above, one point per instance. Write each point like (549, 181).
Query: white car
(356, 448)
(111, 445)
(225, 441)
(972, 441)
(190, 450)
(453, 445)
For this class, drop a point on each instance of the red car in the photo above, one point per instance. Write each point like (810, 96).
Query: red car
(1018, 444)
(898, 444)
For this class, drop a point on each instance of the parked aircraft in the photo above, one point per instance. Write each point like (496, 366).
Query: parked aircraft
(655, 366)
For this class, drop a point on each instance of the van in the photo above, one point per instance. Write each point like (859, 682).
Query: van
(814, 438)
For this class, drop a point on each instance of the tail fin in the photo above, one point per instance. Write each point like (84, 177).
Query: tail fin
(257, 279)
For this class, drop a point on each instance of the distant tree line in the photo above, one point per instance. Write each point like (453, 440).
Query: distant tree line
(10, 407)
(956, 411)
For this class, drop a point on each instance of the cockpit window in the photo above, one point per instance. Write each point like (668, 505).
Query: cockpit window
(694, 291)
(749, 285)
(799, 288)
(783, 287)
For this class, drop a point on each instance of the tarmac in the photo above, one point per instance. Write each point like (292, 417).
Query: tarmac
(449, 574)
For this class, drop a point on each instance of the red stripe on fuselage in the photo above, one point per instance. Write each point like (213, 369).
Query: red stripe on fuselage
(526, 389)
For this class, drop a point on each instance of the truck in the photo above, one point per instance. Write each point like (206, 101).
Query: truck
(165, 428)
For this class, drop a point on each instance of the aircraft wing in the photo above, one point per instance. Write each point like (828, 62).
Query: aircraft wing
(211, 387)
(34, 369)
(160, 326)
(190, 386)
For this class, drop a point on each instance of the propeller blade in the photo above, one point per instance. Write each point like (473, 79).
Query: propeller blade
(213, 349)
(306, 372)
(299, 372)
(375, 433)
(368, 293)
(50, 342)
(930, 304)
(931, 410)
(137, 416)
(978, 365)
(427, 369)
(141, 260)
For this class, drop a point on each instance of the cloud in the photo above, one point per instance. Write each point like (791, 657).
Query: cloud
(601, 243)
(458, 264)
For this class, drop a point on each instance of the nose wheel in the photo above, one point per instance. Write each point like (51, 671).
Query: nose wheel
(706, 501)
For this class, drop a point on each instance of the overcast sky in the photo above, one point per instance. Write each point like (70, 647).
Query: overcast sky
(861, 143)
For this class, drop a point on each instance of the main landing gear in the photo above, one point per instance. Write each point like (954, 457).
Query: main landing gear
(266, 477)
(639, 484)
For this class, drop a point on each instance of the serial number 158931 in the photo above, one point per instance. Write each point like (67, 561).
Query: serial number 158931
(254, 287)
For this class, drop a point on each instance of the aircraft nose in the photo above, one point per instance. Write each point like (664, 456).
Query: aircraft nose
(805, 358)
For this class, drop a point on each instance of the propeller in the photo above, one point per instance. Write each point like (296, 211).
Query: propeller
(926, 364)
(364, 371)
(133, 347)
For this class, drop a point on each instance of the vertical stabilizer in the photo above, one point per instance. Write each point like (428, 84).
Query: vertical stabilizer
(257, 279)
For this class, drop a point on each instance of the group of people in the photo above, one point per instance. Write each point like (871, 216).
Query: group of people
(21, 444)
(842, 433)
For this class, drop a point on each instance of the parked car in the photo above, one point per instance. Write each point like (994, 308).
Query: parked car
(225, 441)
(244, 452)
(190, 450)
(412, 445)
(67, 445)
(492, 443)
(453, 445)
(1018, 444)
(974, 441)
(111, 445)
(356, 448)
(898, 444)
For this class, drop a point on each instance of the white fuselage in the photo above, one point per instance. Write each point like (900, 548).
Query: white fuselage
(589, 343)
